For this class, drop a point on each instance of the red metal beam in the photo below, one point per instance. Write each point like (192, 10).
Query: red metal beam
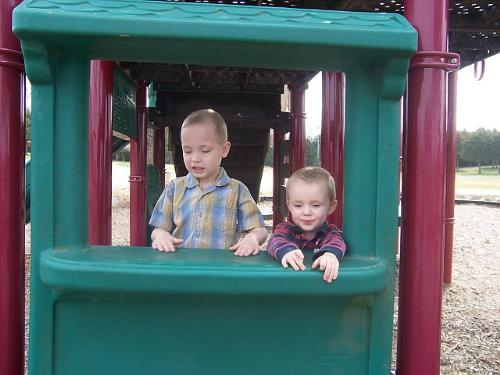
(451, 164)
(297, 128)
(332, 137)
(421, 272)
(100, 151)
(159, 153)
(12, 149)
(138, 159)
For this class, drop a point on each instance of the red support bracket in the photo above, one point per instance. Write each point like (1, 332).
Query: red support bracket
(11, 58)
(449, 61)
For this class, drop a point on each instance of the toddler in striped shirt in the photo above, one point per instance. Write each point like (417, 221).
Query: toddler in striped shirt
(310, 197)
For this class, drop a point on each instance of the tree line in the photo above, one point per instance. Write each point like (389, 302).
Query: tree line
(478, 148)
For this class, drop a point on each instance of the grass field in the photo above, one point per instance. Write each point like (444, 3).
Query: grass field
(469, 178)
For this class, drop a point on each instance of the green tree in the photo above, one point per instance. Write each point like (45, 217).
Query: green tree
(28, 129)
(495, 146)
(312, 151)
(477, 148)
(462, 139)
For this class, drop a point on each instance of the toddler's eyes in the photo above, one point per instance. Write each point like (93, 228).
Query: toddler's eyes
(205, 151)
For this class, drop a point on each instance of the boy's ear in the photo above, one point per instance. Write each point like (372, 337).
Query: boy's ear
(332, 208)
(225, 148)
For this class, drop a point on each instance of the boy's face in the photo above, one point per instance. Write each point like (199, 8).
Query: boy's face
(309, 205)
(203, 152)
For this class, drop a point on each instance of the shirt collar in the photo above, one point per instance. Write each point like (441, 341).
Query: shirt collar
(222, 179)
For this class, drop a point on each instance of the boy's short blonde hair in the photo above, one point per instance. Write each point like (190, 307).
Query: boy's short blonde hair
(208, 116)
(314, 174)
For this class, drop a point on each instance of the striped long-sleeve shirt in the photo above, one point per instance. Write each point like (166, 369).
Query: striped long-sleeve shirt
(288, 237)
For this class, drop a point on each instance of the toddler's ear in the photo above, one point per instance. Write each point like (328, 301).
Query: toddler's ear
(225, 148)
(332, 208)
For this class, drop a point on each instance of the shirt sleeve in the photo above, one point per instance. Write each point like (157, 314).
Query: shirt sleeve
(333, 242)
(281, 242)
(162, 215)
(248, 215)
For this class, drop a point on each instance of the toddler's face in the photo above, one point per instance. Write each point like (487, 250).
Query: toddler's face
(309, 205)
(203, 152)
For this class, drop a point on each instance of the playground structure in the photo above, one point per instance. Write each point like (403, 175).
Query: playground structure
(72, 276)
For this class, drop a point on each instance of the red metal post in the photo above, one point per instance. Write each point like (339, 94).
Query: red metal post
(278, 138)
(421, 272)
(12, 133)
(297, 128)
(159, 153)
(332, 136)
(100, 151)
(138, 159)
(451, 163)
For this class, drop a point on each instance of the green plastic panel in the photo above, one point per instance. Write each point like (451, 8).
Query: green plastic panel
(122, 310)
(192, 271)
(124, 114)
(245, 36)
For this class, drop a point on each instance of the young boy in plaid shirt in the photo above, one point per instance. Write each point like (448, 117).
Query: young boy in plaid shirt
(206, 208)
(310, 197)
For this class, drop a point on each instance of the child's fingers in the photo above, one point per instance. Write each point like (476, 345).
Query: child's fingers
(177, 241)
(245, 252)
(300, 262)
(294, 265)
(242, 253)
(315, 264)
(328, 274)
(319, 262)
(166, 246)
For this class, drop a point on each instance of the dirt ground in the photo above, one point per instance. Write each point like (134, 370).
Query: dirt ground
(471, 304)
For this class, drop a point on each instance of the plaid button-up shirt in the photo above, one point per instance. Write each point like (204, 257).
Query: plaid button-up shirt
(207, 218)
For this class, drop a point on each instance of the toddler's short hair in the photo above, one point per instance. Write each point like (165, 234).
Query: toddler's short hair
(314, 174)
(208, 116)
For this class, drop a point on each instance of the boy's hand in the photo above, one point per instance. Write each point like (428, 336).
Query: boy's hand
(164, 241)
(248, 245)
(329, 264)
(295, 258)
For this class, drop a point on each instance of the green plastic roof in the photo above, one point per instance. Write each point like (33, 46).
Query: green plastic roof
(152, 31)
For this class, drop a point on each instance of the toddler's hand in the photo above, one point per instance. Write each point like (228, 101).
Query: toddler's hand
(164, 241)
(248, 245)
(295, 258)
(329, 264)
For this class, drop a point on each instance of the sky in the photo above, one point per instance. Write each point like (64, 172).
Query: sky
(478, 102)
